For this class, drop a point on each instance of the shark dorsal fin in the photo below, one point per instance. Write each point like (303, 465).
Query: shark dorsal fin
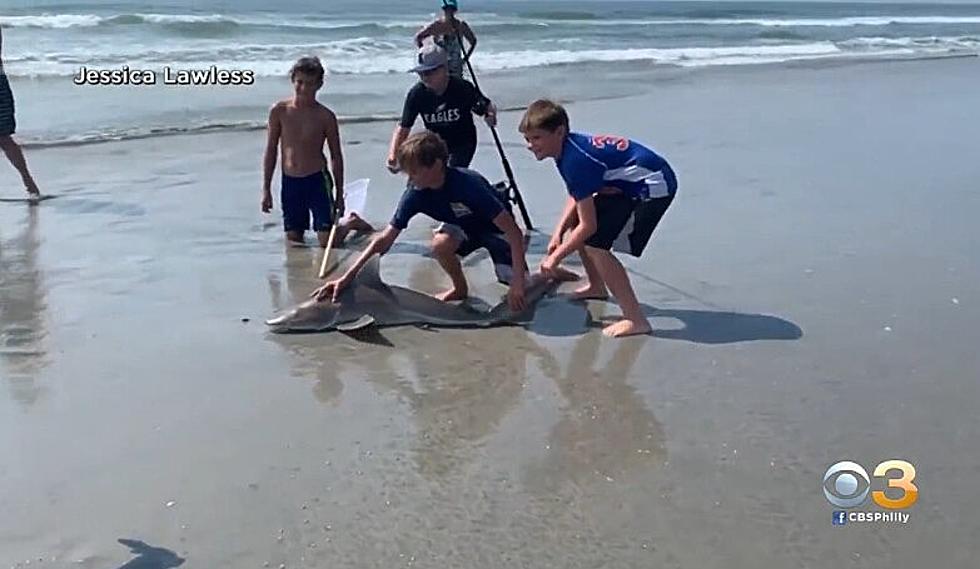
(370, 274)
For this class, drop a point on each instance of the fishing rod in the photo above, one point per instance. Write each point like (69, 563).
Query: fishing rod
(517, 197)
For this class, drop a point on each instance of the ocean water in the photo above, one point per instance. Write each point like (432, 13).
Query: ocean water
(568, 49)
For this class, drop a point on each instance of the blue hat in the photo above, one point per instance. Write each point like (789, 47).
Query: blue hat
(447, 4)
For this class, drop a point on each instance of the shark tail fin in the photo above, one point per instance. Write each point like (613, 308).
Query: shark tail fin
(538, 286)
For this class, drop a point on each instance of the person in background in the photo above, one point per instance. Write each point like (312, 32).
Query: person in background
(446, 104)
(8, 125)
(444, 32)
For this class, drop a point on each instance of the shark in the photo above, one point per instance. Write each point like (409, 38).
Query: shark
(368, 301)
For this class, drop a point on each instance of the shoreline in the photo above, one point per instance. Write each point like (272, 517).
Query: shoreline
(634, 72)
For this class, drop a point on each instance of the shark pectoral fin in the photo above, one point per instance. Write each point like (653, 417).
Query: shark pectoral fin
(362, 322)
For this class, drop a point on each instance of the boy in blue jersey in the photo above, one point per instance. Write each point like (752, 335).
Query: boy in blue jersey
(472, 218)
(618, 192)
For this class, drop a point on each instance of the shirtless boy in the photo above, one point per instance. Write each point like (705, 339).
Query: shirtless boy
(300, 126)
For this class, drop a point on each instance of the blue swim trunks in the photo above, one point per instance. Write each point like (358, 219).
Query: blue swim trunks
(303, 196)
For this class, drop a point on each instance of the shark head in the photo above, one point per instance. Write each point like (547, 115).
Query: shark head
(311, 316)
(324, 315)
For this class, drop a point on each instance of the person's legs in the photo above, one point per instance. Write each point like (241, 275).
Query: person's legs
(634, 321)
(613, 212)
(319, 193)
(16, 157)
(295, 210)
(444, 248)
(462, 156)
(354, 223)
(8, 125)
(595, 288)
(630, 236)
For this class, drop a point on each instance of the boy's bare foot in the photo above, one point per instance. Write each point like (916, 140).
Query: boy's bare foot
(32, 189)
(625, 328)
(563, 275)
(589, 292)
(452, 294)
(357, 223)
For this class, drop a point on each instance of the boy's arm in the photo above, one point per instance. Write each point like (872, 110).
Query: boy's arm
(404, 127)
(397, 138)
(423, 33)
(274, 131)
(512, 233)
(583, 177)
(481, 104)
(506, 223)
(470, 37)
(336, 159)
(587, 225)
(379, 245)
(569, 217)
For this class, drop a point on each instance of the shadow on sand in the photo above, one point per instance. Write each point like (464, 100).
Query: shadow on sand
(714, 326)
(149, 557)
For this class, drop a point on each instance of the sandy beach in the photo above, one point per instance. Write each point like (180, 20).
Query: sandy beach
(814, 291)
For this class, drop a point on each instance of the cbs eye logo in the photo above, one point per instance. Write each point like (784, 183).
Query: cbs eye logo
(843, 481)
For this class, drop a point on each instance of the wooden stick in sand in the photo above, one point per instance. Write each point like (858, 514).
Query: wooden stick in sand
(333, 233)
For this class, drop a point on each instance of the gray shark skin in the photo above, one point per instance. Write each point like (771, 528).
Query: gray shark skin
(369, 301)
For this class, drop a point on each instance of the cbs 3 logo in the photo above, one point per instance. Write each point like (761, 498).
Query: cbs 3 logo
(842, 484)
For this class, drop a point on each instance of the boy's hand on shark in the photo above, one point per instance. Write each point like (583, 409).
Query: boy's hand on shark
(515, 297)
(549, 266)
(331, 289)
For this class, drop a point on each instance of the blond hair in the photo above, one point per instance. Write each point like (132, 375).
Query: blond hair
(422, 149)
(544, 114)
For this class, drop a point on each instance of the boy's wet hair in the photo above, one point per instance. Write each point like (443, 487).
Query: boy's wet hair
(422, 149)
(307, 66)
(544, 114)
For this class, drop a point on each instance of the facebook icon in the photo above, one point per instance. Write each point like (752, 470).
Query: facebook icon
(840, 518)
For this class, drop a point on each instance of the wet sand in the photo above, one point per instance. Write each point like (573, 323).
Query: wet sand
(814, 290)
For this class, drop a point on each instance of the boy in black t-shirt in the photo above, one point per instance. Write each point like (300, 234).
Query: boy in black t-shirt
(446, 104)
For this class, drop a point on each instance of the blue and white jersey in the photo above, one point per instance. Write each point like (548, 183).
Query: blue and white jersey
(589, 163)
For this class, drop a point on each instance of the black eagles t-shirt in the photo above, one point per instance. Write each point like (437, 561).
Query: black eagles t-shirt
(449, 115)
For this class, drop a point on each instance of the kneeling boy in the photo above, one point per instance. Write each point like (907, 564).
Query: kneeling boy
(472, 218)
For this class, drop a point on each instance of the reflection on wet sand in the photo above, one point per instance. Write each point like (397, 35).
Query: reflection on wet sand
(457, 401)
(301, 278)
(460, 385)
(605, 429)
(22, 305)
